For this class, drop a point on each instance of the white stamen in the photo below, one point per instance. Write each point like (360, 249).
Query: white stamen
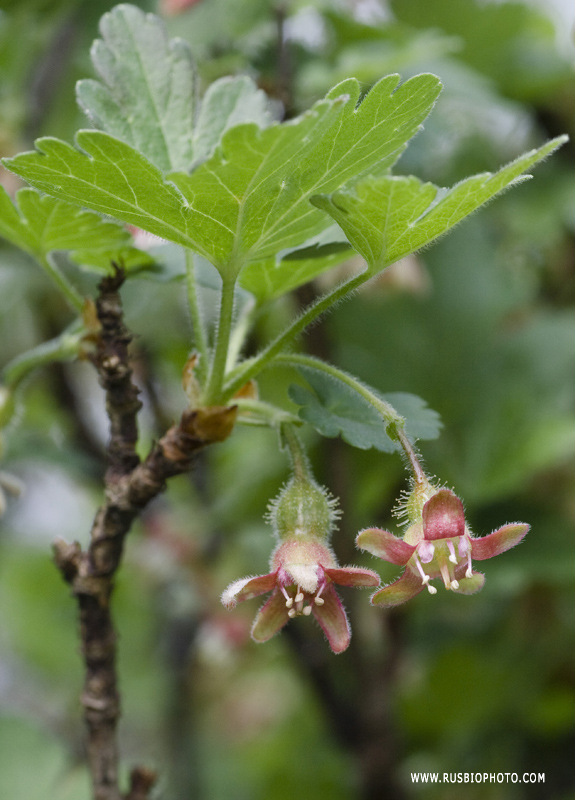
(291, 613)
(299, 596)
(319, 601)
(454, 585)
(289, 600)
(424, 576)
(452, 556)
(446, 576)
(469, 571)
(431, 589)
(307, 611)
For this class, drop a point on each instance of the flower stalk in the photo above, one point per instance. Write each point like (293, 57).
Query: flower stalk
(303, 567)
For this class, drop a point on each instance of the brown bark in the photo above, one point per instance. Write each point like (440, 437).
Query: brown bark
(130, 486)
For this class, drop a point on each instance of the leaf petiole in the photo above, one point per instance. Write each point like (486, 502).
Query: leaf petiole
(258, 412)
(250, 368)
(64, 347)
(199, 330)
(395, 423)
(69, 291)
(213, 391)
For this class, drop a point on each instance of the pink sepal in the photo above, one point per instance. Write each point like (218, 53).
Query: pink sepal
(246, 588)
(498, 542)
(352, 576)
(443, 516)
(385, 545)
(271, 618)
(333, 621)
(398, 592)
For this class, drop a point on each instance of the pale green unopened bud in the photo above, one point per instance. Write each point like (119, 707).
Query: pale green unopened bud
(303, 508)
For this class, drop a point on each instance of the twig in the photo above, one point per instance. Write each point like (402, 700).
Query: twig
(130, 486)
(115, 373)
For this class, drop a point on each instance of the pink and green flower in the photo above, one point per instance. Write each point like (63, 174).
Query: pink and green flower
(302, 578)
(438, 544)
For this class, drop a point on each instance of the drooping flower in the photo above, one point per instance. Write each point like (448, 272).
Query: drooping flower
(437, 544)
(303, 573)
(303, 568)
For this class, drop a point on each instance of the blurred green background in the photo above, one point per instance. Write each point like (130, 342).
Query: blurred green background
(481, 325)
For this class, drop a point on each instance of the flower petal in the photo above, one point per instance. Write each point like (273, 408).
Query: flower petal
(353, 576)
(470, 585)
(246, 588)
(304, 575)
(398, 592)
(385, 545)
(333, 620)
(499, 541)
(443, 516)
(271, 618)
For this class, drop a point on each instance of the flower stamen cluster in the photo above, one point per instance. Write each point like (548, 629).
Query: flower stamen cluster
(303, 568)
(437, 544)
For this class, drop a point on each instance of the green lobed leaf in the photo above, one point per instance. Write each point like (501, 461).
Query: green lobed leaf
(39, 225)
(229, 101)
(260, 181)
(251, 198)
(334, 409)
(388, 217)
(148, 95)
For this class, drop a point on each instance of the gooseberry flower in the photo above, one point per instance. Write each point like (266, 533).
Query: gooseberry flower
(437, 544)
(303, 568)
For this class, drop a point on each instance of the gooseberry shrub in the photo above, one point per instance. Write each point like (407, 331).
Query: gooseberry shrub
(221, 196)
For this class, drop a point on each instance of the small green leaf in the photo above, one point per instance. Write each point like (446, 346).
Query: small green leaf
(334, 409)
(228, 101)
(148, 95)
(389, 217)
(39, 225)
(267, 280)
(130, 259)
(251, 198)
(295, 266)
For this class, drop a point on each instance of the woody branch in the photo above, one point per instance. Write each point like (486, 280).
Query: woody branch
(130, 484)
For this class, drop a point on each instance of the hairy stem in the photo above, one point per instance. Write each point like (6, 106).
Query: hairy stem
(72, 295)
(219, 361)
(249, 369)
(394, 421)
(64, 347)
(200, 339)
(298, 456)
(258, 412)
